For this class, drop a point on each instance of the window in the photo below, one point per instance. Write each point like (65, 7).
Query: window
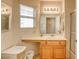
(26, 17)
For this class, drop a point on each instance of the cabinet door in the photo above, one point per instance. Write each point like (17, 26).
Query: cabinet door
(46, 51)
(59, 53)
(53, 50)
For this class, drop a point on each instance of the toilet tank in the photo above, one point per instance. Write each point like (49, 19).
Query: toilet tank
(15, 52)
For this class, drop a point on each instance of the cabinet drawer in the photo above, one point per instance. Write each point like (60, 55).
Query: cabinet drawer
(62, 42)
(56, 42)
(43, 43)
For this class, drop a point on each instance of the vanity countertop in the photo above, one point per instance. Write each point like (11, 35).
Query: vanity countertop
(56, 37)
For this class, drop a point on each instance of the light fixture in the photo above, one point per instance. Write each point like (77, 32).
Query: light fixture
(50, 9)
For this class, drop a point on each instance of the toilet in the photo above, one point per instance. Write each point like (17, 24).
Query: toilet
(30, 54)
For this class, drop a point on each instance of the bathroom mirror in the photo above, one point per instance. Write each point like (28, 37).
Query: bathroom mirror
(50, 24)
(6, 14)
(4, 22)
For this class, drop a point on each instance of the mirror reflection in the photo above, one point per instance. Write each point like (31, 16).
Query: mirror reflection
(50, 24)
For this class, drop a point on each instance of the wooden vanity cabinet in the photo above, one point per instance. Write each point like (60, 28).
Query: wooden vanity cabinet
(53, 49)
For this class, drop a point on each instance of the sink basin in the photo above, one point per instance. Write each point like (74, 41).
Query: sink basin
(47, 35)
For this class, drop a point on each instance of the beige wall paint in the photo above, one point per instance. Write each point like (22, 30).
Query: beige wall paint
(8, 38)
(29, 31)
(51, 4)
(69, 7)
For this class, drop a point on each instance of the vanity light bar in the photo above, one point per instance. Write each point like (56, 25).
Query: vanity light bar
(50, 9)
(5, 9)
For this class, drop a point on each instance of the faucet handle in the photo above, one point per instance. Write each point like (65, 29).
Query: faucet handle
(41, 34)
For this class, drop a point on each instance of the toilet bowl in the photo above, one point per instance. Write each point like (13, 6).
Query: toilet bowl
(30, 54)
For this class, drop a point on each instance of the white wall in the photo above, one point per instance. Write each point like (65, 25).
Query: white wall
(8, 38)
